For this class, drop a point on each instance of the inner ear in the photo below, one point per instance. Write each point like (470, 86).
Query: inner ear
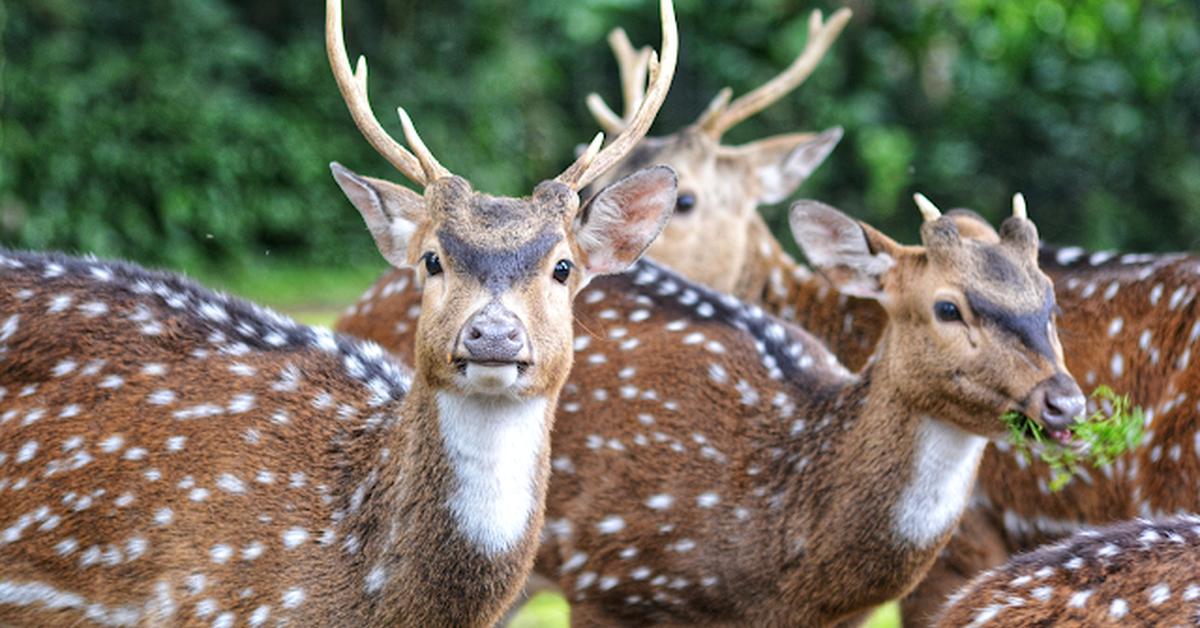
(782, 163)
(620, 221)
(853, 256)
(392, 212)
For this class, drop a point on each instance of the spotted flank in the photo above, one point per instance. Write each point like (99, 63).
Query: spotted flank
(156, 441)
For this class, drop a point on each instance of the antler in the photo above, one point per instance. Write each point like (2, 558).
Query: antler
(591, 164)
(1019, 206)
(632, 65)
(720, 117)
(421, 169)
(929, 211)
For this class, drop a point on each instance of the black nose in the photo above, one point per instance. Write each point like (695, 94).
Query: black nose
(1062, 401)
(494, 334)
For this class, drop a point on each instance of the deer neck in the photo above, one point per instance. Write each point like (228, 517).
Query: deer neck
(893, 487)
(769, 276)
(467, 475)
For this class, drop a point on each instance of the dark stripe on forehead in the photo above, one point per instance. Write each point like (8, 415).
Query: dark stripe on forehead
(998, 268)
(1031, 328)
(497, 269)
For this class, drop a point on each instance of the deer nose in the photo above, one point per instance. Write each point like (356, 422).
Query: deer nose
(494, 334)
(1062, 401)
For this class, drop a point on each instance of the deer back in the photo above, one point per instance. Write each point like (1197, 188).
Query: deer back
(1133, 573)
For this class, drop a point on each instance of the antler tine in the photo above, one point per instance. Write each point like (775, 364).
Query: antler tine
(585, 159)
(1019, 206)
(639, 123)
(632, 66)
(605, 117)
(715, 107)
(929, 211)
(353, 86)
(433, 169)
(821, 36)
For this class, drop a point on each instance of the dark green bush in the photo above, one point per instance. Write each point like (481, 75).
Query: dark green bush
(198, 132)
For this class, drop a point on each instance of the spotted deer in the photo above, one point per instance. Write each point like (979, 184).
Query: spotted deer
(713, 465)
(170, 455)
(1136, 573)
(719, 189)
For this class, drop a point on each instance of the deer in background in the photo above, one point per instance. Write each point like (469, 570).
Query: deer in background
(715, 227)
(1144, 573)
(175, 456)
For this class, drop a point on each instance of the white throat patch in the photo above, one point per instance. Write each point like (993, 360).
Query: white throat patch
(944, 465)
(493, 444)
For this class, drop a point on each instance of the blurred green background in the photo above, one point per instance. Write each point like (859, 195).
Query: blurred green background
(196, 134)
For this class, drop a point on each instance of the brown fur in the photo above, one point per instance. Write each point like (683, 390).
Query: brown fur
(674, 394)
(1139, 573)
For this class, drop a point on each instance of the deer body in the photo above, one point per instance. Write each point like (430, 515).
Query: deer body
(1133, 573)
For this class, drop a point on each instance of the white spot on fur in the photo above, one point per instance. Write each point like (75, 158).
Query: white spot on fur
(294, 537)
(662, 501)
(610, 525)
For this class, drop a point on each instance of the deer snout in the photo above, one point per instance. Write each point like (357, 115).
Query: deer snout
(1057, 401)
(494, 335)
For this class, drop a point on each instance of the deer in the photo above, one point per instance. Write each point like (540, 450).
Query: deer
(173, 455)
(1141, 572)
(764, 483)
(715, 226)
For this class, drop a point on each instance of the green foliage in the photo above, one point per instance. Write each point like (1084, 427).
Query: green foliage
(1097, 440)
(195, 133)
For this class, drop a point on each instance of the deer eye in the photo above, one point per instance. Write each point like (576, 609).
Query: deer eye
(433, 265)
(947, 312)
(685, 202)
(562, 270)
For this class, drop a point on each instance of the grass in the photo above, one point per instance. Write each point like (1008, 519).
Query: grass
(316, 296)
(550, 610)
(1097, 440)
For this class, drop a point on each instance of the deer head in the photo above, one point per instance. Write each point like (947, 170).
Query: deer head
(720, 186)
(500, 273)
(969, 315)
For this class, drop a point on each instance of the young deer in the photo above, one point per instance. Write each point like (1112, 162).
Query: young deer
(720, 189)
(172, 455)
(1129, 322)
(1143, 573)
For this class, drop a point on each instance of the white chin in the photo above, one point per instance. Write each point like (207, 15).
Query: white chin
(491, 379)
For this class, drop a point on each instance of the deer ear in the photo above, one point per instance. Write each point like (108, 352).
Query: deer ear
(620, 221)
(392, 212)
(783, 162)
(853, 256)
